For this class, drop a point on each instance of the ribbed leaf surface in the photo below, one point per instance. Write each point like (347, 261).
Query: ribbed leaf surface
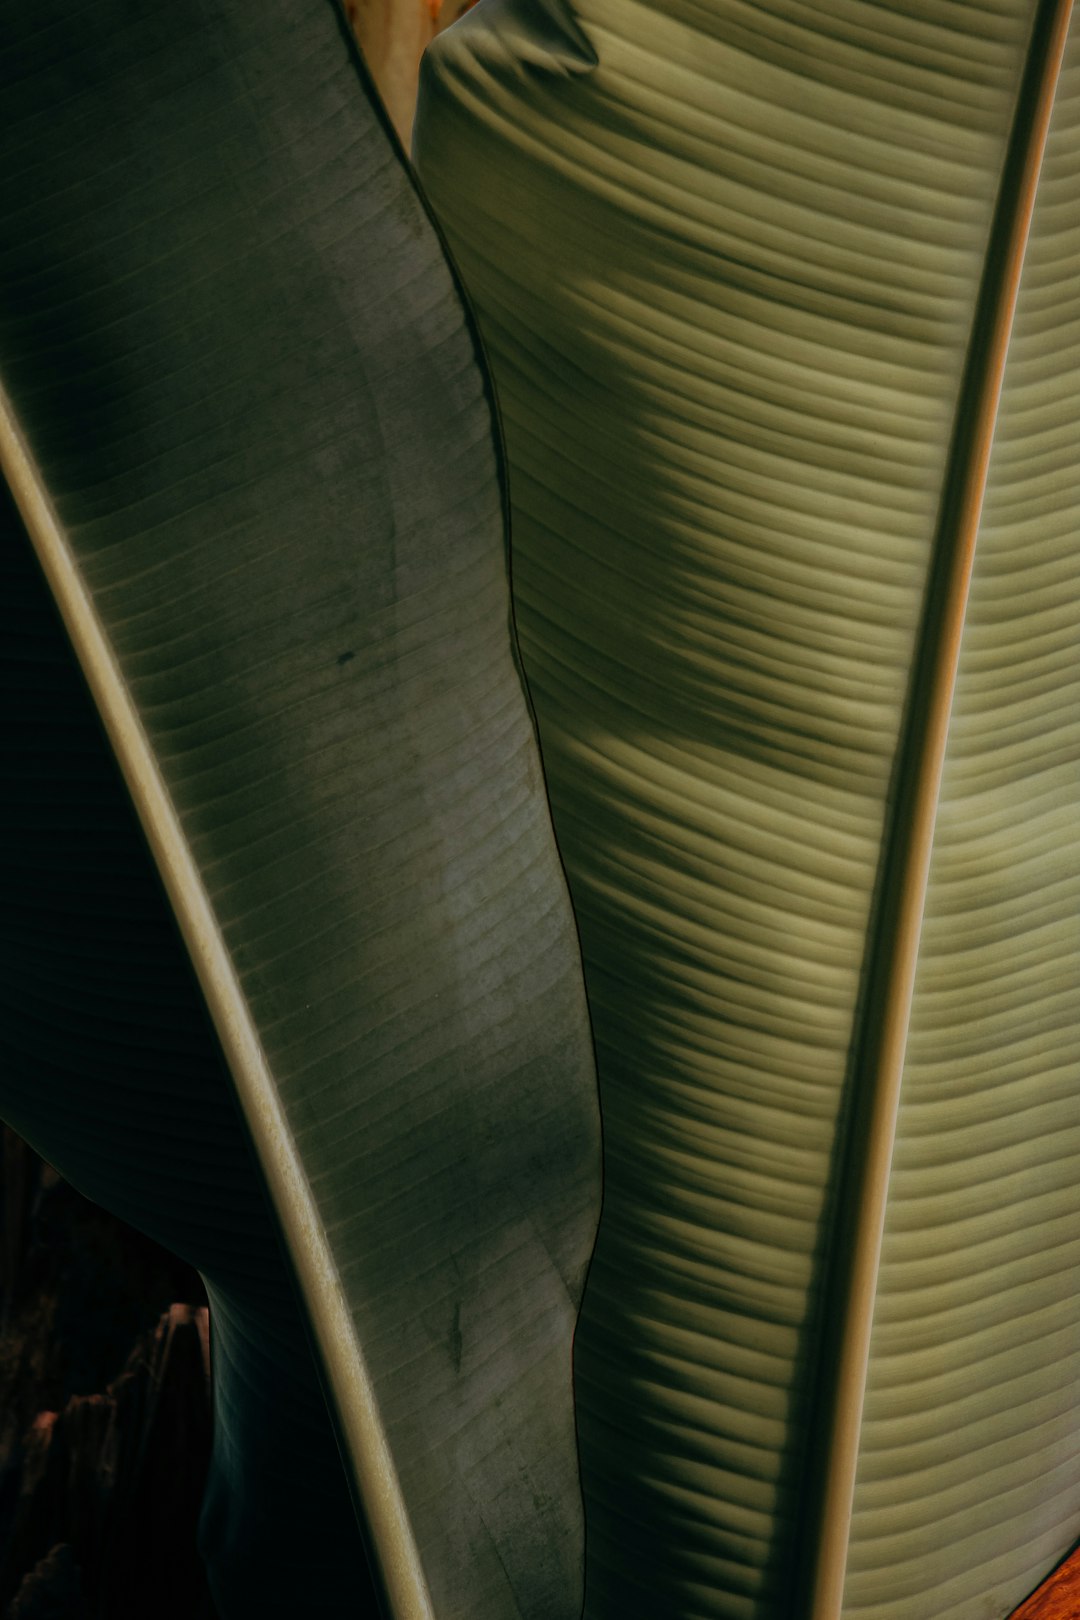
(727, 261)
(969, 1475)
(250, 392)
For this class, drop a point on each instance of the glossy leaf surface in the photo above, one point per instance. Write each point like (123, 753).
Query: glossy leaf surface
(231, 347)
(740, 271)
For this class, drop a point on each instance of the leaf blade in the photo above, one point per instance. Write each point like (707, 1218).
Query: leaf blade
(229, 318)
(987, 1154)
(720, 391)
(894, 954)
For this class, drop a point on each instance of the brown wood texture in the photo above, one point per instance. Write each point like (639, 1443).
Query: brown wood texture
(1058, 1598)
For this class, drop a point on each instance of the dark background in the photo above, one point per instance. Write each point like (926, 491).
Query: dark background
(104, 1410)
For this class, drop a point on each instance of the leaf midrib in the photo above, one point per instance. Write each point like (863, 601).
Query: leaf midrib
(885, 1007)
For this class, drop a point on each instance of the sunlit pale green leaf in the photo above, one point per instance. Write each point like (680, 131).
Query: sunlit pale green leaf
(740, 276)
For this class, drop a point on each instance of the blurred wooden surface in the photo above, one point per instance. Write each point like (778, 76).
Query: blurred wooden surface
(393, 35)
(1058, 1598)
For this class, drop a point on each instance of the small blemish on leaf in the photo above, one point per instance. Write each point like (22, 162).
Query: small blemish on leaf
(343, 658)
(455, 1339)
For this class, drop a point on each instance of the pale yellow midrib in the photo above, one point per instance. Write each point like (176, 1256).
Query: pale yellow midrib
(375, 1476)
(823, 1598)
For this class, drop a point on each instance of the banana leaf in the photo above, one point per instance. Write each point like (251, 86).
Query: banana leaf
(771, 360)
(248, 431)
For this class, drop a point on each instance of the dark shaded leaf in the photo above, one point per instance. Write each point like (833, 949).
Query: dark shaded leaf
(232, 345)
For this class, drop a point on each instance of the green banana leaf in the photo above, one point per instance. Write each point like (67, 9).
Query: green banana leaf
(249, 434)
(747, 279)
